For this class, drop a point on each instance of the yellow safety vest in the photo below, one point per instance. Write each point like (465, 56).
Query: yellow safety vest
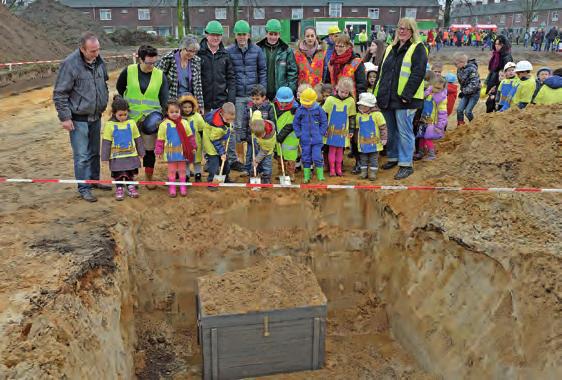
(142, 104)
(405, 71)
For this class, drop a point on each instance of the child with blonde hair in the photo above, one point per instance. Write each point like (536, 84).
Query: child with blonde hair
(341, 112)
(371, 135)
(434, 117)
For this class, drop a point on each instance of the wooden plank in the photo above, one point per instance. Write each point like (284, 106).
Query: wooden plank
(315, 343)
(257, 318)
(215, 354)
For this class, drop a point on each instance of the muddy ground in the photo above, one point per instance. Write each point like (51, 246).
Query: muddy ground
(420, 285)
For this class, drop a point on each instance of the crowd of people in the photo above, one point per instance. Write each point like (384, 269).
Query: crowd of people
(196, 108)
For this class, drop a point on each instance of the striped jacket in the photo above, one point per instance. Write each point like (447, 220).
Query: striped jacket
(168, 65)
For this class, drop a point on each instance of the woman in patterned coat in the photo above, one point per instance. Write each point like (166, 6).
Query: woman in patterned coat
(182, 68)
(310, 58)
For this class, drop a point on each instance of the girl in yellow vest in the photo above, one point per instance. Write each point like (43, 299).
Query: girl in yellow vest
(175, 145)
(371, 135)
(122, 146)
(190, 113)
(341, 124)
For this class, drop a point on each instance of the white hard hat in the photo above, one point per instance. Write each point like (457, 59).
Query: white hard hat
(367, 99)
(510, 65)
(369, 66)
(523, 66)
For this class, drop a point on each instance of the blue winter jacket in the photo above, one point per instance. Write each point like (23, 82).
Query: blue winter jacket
(310, 124)
(249, 67)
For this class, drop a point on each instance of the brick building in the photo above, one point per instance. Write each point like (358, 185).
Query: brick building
(160, 15)
(509, 15)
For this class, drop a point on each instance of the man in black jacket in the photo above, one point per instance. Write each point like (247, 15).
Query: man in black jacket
(218, 78)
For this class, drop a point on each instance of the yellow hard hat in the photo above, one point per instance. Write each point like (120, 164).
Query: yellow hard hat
(334, 29)
(308, 97)
(256, 115)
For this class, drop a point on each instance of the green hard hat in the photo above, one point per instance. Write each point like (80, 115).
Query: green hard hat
(214, 27)
(241, 27)
(273, 25)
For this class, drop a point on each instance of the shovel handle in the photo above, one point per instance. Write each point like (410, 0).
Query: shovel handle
(282, 161)
(222, 163)
(254, 156)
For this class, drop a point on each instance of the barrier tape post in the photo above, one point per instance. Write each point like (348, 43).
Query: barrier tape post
(293, 186)
(9, 67)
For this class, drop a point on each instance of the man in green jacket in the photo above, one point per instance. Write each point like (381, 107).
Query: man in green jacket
(280, 60)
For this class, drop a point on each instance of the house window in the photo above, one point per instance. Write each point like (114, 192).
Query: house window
(518, 17)
(259, 13)
(124, 11)
(163, 12)
(277, 10)
(554, 15)
(297, 13)
(354, 10)
(220, 13)
(108, 29)
(502, 19)
(316, 10)
(334, 9)
(373, 13)
(258, 30)
(105, 14)
(144, 14)
(535, 17)
(411, 12)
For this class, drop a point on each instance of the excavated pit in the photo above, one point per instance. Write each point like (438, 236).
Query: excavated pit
(417, 306)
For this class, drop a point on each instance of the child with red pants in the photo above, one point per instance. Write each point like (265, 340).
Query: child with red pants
(176, 145)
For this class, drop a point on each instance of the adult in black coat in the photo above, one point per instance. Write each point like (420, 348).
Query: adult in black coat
(500, 56)
(399, 94)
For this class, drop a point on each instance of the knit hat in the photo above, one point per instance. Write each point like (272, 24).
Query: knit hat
(367, 99)
(548, 69)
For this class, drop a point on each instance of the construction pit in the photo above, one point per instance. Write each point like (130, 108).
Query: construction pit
(420, 285)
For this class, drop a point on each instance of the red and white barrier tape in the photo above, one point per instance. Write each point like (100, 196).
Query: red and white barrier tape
(295, 186)
(10, 64)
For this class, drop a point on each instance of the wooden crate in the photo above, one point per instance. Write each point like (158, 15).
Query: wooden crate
(259, 343)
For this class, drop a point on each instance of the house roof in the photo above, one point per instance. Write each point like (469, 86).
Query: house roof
(499, 8)
(264, 3)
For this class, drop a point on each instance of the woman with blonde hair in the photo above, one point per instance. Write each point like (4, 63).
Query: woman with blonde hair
(399, 93)
(345, 63)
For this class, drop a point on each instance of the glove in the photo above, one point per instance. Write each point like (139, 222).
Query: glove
(461, 95)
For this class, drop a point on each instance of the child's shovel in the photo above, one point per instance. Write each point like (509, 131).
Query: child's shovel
(255, 180)
(220, 178)
(284, 180)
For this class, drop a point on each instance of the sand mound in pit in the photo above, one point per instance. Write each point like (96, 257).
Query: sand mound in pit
(22, 41)
(517, 148)
(277, 283)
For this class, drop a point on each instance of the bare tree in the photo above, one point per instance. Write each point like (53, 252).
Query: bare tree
(179, 9)
(447, 13)
(529, 9)
(186, 19)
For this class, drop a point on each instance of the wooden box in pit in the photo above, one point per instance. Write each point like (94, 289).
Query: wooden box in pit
(262, 320)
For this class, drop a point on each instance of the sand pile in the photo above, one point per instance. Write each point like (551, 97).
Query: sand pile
(53, 19)
(518, 148)
(277, 283)
(22, 41)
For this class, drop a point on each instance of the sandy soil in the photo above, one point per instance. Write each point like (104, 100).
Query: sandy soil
(417, 283)
(274, 284)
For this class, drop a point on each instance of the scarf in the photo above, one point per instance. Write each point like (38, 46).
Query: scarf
(281, 107)
(495, 62)
(183, 72)
(339, 61)
(186, 144)
(309, 52)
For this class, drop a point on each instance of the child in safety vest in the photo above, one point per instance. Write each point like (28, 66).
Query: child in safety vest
(527, 84)
(341, 124)
(122, 146)
(284, 109)
(507, 88)
(301, 89)
(189, 111)
(260, 103)
(216, 135)
(434, 118)
(175, 145)
(371, 135)
(264, 140)
(437, 68)
(310, 125)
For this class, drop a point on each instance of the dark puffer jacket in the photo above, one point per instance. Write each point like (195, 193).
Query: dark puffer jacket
(285, 72)
(249, 67)
(469, 78)
(217, 74)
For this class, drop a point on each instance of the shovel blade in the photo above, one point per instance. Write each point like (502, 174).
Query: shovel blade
(255, 181)
(285, 180)
(219, 178)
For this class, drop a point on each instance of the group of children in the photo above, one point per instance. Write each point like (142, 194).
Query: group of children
(310, 129)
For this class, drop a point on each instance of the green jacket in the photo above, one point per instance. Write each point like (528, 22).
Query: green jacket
(285, 67)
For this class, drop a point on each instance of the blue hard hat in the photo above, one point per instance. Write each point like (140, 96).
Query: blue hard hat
(451, 78)
(149, 125)
(284, 95)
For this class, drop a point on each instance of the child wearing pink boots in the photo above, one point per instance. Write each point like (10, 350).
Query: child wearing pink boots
(122, 146)
(175, 145)
(433, 119)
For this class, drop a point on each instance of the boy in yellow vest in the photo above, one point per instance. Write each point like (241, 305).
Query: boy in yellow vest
(263, 133)
(527, 84)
